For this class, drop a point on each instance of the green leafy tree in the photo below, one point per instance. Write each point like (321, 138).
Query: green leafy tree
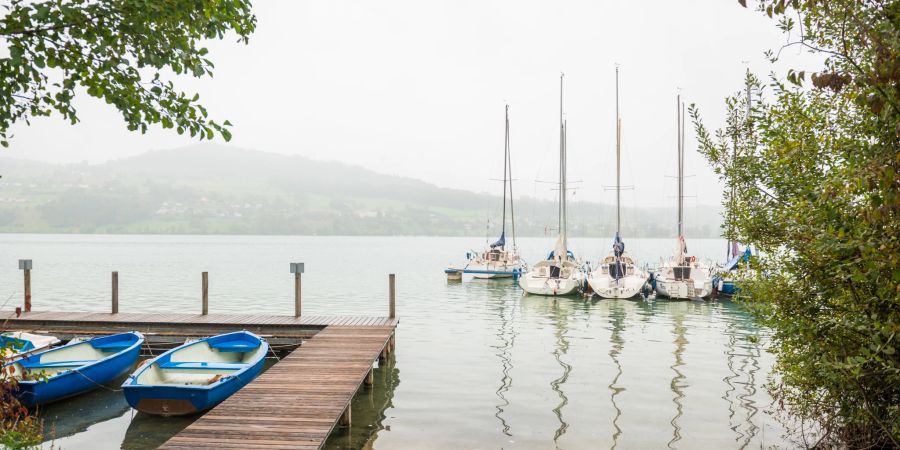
(813, 171)
(120, 51)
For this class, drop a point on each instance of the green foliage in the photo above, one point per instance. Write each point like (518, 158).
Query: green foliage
(18, 429)
(815, 186)
(118, 51)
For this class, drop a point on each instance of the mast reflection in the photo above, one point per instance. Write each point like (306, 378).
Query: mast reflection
(560, 324)
(677, 386)
(506, 334)
(617, 321)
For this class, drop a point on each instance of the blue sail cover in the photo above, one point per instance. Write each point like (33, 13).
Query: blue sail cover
(618, 245)
(500, 242)
(745, 257)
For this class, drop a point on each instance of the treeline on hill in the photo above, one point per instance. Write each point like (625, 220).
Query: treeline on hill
(223, 190)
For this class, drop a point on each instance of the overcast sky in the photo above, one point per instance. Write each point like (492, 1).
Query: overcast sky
(417, 88)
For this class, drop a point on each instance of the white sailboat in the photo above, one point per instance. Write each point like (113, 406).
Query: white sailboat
(682, 276)
(617, 275)
(497, 261)
(561, 272)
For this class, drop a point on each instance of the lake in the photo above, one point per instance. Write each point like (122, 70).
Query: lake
(477, 364)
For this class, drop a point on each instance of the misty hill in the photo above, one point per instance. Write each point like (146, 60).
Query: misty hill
(218, 190)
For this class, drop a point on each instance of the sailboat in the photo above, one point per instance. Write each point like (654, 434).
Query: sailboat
(682, 276)
(560, 273)
(726, 281)
(617, 275)
(497, 261)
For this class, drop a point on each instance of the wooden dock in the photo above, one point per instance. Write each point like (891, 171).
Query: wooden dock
(295, 404)
(298, 402)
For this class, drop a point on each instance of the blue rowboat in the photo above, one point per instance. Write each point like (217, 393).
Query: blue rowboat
(19, 342)
(75, 368)
(196, 376)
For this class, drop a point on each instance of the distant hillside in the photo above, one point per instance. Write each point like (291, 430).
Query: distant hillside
(210, 189)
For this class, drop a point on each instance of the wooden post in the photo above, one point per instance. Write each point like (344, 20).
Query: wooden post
(392, 342)
(205, 293)
(345, 417)
(370, 377)
(115, 292)
(297, 294)
(27, 290)
(392, 290)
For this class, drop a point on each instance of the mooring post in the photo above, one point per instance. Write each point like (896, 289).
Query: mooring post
(25, 266)
(115, 292)
(297, 270)
(370, 377)
(393, 294)
(345, 417)
(297, 294)
(205, 293)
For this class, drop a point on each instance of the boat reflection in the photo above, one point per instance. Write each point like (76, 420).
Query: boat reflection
(147, 431)
(77, 414)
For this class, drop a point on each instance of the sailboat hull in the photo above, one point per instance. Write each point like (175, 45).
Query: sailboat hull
(682, 289)
(549, 286)
(492, 270)
(626, 287)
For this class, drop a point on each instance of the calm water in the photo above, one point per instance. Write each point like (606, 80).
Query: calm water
(478, 365)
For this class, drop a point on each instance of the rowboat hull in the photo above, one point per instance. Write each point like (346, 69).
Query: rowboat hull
(196, 376)
(186, 400)
(116, 354)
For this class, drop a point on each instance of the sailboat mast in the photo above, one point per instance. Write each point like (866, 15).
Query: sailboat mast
(562, 193)
(680, 170)
(683, 116)
(508, 169)
(618, 157)
(564, 183)
(505, 153)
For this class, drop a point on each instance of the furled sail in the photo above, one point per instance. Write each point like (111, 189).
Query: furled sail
(500, 242)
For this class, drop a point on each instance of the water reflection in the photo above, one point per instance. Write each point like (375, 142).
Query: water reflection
(75, 415)
(146, 431)
(744, 347)
(677, 386)
(369, 406)
(617, 322)
(561, 327)
(506, 334)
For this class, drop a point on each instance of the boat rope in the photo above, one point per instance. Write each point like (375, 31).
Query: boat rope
(96, 383)
(272, 351)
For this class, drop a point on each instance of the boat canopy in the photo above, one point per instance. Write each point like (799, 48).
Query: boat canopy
(500, 242)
